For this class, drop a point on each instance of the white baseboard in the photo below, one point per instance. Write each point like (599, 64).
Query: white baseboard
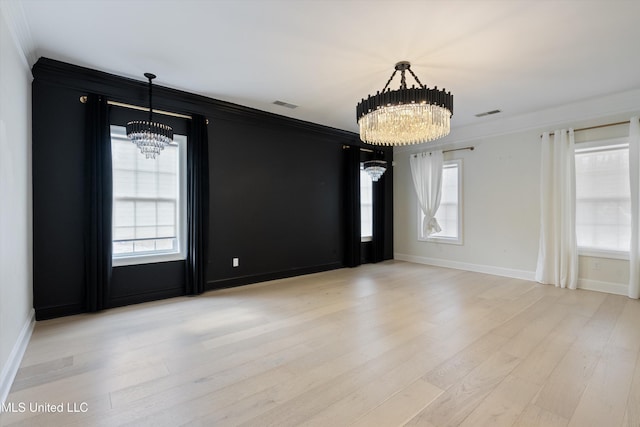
(10, 369)
(608, 287)
(586, 284)
(477, 268)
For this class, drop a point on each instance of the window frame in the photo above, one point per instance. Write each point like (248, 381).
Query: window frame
(181, 223)
(443, 239)
(601, 145)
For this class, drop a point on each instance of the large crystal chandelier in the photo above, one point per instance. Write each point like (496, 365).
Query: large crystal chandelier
(407, 115)
(149, 136)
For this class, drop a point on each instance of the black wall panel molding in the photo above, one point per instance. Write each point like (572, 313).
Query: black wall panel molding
(145, 297)
(52, 312)
(245, 280)
(277, 192)
(128, 90)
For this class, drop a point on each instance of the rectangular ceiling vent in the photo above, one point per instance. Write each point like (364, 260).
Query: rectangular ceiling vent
(285, 104)
(488, 113)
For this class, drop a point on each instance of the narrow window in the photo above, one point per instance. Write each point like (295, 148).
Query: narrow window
(149, 202)
(603, 198)
(449, 213)
(366, 206)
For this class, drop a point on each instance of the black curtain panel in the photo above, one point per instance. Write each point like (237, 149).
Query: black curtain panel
(379, 209)
(98, 196)
(352, 205)
(197, 205)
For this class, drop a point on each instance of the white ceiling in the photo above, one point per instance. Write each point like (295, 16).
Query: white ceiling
(325, 55)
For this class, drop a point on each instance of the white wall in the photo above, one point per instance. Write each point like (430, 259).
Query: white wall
(16, 312)
(500, 207)
(501, 193)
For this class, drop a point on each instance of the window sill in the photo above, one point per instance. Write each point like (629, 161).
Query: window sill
(447, 240)
(600, 253)
(146, 259)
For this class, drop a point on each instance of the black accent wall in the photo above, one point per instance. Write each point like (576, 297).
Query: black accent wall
(277, 193)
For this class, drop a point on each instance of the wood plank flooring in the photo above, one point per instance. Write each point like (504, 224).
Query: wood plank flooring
(390, 344)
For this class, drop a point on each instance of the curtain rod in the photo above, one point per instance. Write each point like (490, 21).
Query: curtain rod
(471, 148)
(606, 125)
(344, 147)
(83, 99)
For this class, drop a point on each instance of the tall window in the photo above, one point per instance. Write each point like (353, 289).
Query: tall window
(366, 205)
(149, 202)
(603, 205)
(449, 213)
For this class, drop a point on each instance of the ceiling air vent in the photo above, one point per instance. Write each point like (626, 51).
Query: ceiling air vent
(285, 104)
(488, 113)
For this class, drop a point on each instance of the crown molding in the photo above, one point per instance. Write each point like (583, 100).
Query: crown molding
(127, 90)
(620, 106)
(18, 26)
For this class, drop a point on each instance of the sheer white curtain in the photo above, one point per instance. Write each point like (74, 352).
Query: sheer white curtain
(426, 170)
(558, 250)
(634, 176)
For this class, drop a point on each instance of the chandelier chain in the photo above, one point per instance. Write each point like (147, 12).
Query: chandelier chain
(150, 98)
(403, 80)
(389, 81)
(150, 137)
(415, 77)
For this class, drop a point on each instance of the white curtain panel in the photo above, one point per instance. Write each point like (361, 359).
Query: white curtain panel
(558, 250)
(426, 170)
(634, 176)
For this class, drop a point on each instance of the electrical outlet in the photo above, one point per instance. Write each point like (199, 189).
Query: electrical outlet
(236, 262)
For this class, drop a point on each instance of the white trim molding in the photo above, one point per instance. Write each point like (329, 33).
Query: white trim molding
(18, 26)
(585, 284)
(615, 106)
(607, 287)
(10, 369)
(477, 268)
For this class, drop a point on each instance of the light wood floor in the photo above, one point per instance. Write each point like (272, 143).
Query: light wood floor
(390, 344)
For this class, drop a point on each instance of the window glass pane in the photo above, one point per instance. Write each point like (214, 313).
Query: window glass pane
(167, 160)
(167, 185)
(165, 231)
(603, 207)
(123, 213)
(165, 244)
(145, 213)
(146, 183)
(144, 246)
(146, 232)
(145, 165)
(166, 213)
(124, 182)
(366, 204)
(124, 233)
(122, 247)
(447, 214)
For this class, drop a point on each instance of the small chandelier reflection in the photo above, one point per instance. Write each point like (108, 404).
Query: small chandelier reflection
(375, 168)
(405, 116)
(150, 137)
